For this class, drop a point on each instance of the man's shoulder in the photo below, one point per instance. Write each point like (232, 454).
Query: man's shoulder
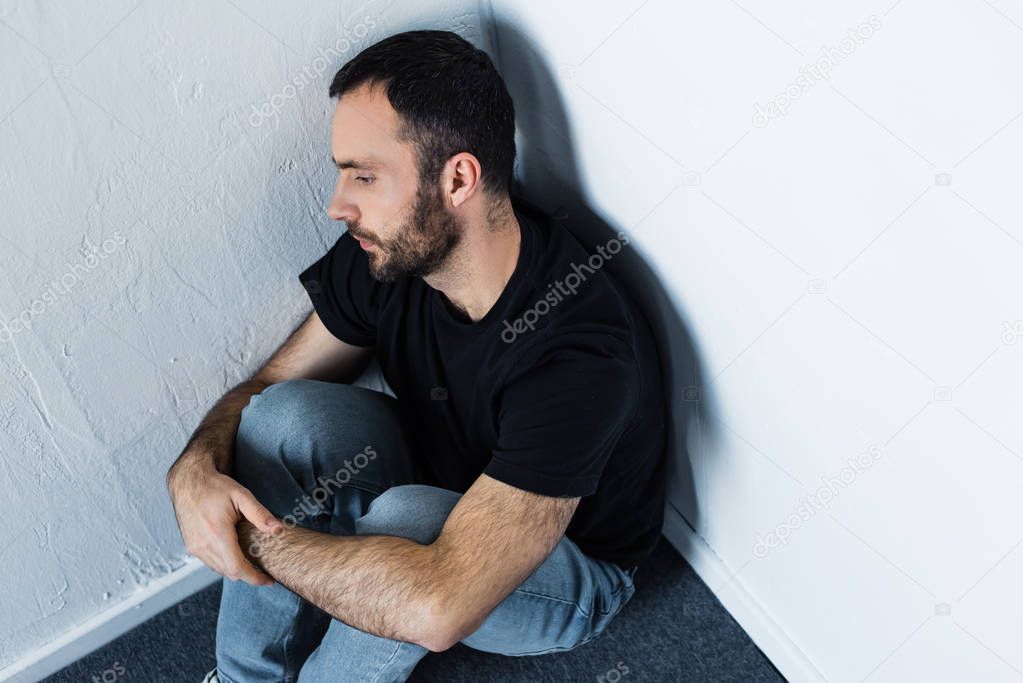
(573, 289)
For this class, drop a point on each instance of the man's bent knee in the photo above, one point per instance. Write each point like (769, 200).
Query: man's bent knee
(303, 416)
(286, 407)
(413, 511)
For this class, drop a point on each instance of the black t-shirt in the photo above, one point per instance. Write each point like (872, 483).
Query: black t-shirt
(557, 390)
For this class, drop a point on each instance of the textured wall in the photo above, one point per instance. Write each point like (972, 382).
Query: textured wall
(837, 219)
(163, 179)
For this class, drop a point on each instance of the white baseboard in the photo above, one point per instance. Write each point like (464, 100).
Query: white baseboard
(740, 603)
(110, 624)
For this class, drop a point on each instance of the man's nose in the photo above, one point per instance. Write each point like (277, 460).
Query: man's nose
(339, 208)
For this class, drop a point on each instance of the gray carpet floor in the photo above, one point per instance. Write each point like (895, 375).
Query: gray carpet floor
(673, 629)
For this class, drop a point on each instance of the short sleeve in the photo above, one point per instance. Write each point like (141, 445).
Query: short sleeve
(560, 422)
(344, 294)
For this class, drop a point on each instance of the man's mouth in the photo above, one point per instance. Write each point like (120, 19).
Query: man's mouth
(364, 243)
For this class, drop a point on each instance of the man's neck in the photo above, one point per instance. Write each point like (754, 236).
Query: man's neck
(480, 267)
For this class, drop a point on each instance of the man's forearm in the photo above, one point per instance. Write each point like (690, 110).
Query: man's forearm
(213, 440)
(384, 585)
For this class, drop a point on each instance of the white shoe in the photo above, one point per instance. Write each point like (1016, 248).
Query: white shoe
(211, 677)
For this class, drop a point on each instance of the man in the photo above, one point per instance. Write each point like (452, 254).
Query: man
(507, 494)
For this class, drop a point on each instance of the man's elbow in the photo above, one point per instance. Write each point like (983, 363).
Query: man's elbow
(442, 625)
(438, 641)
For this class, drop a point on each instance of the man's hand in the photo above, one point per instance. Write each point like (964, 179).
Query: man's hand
(208, 506)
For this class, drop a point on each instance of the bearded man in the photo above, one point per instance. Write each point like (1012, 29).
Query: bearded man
(504, 492)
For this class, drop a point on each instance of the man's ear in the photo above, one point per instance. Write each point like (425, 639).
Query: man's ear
(462, 178)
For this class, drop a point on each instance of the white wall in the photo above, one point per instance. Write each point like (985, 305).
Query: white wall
(153, 227)
(850, 275)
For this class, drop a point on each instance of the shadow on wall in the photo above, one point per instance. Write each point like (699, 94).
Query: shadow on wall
(547, 175)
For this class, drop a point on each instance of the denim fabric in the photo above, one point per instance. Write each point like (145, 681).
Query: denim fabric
(335, 458)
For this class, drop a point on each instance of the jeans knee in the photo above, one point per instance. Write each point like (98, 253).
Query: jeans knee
(281, 404)
(300, 416)
(413, 511)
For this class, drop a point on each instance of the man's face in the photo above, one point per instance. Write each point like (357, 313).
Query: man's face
(402, 223)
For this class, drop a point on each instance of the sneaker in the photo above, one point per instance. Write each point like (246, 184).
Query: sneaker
(211, 677)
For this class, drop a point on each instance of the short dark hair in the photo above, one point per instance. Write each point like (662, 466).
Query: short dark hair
(449, 96)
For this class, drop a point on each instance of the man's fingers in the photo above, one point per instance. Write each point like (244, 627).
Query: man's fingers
(237, 566)
(244, 571)
(262, 579)
(253, 511)
(251, 575)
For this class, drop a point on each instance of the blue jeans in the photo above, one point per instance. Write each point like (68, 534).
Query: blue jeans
(336, 459)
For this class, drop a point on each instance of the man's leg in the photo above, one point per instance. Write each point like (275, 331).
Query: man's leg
(315, 454)
(568, 600)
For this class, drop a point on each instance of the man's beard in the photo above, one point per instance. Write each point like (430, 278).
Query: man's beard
(422, 244)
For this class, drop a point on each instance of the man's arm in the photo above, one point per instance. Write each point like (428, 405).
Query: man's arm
(433, 595)
(310, 352)
(207, 501)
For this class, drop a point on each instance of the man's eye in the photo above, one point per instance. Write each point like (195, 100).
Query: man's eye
(366, 180)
